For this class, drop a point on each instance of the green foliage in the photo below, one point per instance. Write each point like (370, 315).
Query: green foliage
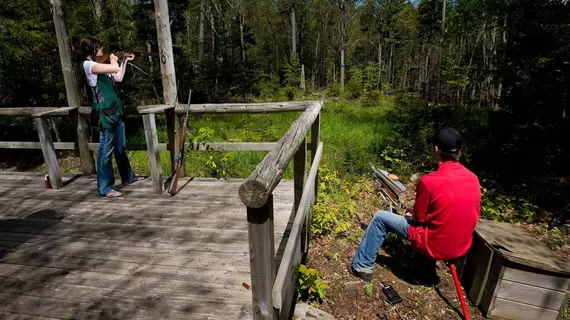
(354, 85)
(370, 98)
(334, 211)
(333, 90)
(369, 289)
(310, 286)
(498, 206)
(331, 255)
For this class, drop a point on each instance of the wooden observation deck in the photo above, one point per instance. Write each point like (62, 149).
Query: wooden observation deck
(67, 253)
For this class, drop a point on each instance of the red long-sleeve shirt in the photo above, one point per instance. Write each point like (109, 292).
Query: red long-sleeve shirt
(447, 209)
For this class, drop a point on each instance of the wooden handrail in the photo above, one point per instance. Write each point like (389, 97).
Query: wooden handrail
(55, 112)
(154, 109)
(288, 263)
(31, 111)
(259, 185)
(231, 107)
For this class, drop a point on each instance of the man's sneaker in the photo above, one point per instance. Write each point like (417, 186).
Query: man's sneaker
(362, 275)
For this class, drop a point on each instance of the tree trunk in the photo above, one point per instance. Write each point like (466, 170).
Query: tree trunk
(241, 19)
(379, 82)
(316, 63)
(440, 57)
(201, 32)
(98, 6)
(343, 41)
(293, 31)
(303, 77)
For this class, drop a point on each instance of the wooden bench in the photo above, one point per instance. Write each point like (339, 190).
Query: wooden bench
(510, 274)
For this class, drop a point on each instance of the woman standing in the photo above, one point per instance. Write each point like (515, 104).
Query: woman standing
(107, 116)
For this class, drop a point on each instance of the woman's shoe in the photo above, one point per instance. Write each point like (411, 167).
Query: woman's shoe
(113, 194)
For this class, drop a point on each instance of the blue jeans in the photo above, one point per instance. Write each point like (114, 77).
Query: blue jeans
(112, 141)
(382, 223)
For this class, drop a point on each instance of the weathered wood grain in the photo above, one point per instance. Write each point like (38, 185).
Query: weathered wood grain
(82, 138)
(293, 249)
(259, 185)
(55, 112)
(261, 256)
(506, 309)
(539, 279)
(167, 71)
(156, 109)
(516, 245)
(315, 141)
(268, 107)
(48, 152)
(153, 152)
(531, 295)
(74, 254)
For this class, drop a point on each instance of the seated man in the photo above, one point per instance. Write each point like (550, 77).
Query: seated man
(444, 215)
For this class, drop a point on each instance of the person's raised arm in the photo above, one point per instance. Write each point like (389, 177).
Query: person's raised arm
(118, 76)
(101, 68)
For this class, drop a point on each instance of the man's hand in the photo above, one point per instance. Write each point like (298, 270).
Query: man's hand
(408, 214)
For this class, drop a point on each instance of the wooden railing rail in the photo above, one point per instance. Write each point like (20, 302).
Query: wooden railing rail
(259, 185)
(210, 108)
(272, 297)
(81, 115)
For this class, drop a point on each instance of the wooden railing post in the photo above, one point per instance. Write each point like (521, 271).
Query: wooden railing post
(262, 259)
(299, 173)
(315, 141)
(300, 178)
(48, 152)
(153, 153)
(82, 144)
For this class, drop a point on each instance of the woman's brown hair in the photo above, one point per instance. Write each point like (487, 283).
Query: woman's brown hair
(89, 46)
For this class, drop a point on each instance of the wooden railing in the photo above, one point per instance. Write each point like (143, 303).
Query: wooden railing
(273, 292)
(80, 118)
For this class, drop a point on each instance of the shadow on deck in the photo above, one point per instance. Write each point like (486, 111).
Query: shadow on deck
(71, 254)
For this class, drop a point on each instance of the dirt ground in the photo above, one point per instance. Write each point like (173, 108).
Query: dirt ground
(347, 297)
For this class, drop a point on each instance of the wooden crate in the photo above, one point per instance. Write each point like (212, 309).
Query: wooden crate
(509, 274)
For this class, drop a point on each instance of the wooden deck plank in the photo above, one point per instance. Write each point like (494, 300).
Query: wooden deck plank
(70, 253)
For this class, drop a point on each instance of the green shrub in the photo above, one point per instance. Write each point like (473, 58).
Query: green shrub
(497, 206)
(333, 90)
(334, 211)
(310, 286)
(370, 98)
(354, 85)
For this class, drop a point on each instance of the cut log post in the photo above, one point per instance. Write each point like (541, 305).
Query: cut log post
(64, 46)
(165, 50)
(153, 152)
(315, 141)
(259, 185)
(262, 259)
(82, 145)
(48, 152)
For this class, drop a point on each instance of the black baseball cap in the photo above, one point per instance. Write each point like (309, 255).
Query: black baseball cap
(447, 140)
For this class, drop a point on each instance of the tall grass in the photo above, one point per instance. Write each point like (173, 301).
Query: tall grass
(348, 132)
